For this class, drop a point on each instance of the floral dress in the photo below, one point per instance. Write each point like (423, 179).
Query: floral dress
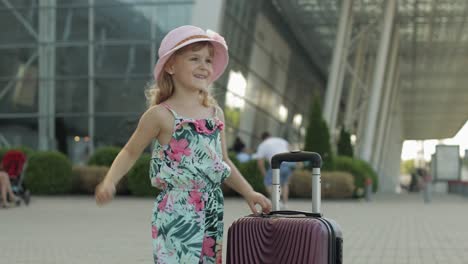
(187, 220)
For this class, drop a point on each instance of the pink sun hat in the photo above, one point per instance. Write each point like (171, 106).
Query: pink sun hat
(186, 35)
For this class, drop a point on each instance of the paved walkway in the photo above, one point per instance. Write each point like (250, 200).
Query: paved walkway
(391, 229)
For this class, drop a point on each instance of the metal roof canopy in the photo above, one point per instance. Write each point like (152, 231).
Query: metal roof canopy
(433, 54)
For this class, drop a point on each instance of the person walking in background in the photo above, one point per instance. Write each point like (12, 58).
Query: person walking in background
(269, 147)
(425, 179)
(190, 158)
(239, 148)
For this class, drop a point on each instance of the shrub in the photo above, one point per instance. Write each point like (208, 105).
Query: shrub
(227, 191)
(138, 178)
(86, 178)
(104, 156)
(233, 158)
(250, 172)
(26, 150)
(333, 184)
(49, 172)
(2, 153)
(337, 184)
(300, 184)
(344, 147)
(361, 170)
(370, 173)
(318, 137)
(253, 175)
(350, 165)
(408, 166)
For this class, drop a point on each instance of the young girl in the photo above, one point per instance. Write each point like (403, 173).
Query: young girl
(190, 159)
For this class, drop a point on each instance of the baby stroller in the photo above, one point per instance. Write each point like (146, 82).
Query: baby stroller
(14, 163)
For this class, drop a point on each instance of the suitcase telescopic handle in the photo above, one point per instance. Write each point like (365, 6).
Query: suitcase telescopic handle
(295, 156)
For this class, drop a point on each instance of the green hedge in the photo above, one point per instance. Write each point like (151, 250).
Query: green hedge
(104, 156)
(317, 137)
(334, 184)
(26, 150)
(344, 146)
(370, 172)
(360, 170)
(138, 178)
(49, 172)
(253, 175)
(233, 158)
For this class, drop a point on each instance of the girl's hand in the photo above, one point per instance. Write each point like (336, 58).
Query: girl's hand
(254, 198)
(104, 192)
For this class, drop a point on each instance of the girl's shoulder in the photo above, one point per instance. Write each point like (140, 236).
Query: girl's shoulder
(219, 112)
(159, 113)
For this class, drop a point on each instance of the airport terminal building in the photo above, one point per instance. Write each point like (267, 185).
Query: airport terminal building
(73, 72)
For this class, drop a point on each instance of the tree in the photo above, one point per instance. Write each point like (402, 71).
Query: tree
(344, 144)
(317, 135)
(408, 166)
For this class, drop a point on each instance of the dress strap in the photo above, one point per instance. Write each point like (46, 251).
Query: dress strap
(170, 109)
(215, 112)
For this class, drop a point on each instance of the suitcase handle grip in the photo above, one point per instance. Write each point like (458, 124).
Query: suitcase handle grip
(289, 212)
(313, 157)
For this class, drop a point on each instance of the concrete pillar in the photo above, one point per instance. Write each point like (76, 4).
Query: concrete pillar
(389, 169)
(91, 73)
(46, 52)
(363, 106)
(393, 105)
(332, 92)
(353, 94)
(377, 84)
(384, 172)
(339, 88)
(385, 106)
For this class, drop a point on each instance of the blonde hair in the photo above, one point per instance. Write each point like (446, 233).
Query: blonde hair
(160, 90)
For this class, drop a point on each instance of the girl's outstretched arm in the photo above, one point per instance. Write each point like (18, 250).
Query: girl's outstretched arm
(148, 129)
(238, 183)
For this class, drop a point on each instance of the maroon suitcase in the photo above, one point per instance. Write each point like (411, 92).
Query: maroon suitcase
(287, 236)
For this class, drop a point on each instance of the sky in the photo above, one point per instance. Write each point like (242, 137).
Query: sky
(411, 147)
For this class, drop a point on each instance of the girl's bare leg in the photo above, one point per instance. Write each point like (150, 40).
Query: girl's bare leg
(13, 197)
(285, 193)
(3, 186)
(6, 187)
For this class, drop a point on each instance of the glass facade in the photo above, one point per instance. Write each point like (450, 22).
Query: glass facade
(270, 80)
(73, 73)
(78, 86)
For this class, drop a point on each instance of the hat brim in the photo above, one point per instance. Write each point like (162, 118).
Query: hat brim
(220, 58)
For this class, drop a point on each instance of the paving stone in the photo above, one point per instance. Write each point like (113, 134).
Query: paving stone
(390, 229)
